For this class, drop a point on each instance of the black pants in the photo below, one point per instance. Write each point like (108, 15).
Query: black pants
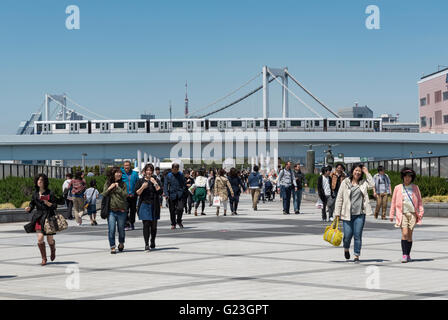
(132, 209)
(69, 204)
(234, 203)
(196, 205)
(188, 202)
(176, 210)
(324, 208)
(149, 228)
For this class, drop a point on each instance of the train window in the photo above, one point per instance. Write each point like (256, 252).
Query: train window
(60, 126)
(202, 124)
(97, 125)
(355, 123)
(332, 123)
(83, 126)
(39, 128)
(296, 123)
(237, 124)
(156, 124)
(272, 123)
(316, 123)
(257, 123)
(213, 124)
(118, 125)
(178, 124)
(141, 125)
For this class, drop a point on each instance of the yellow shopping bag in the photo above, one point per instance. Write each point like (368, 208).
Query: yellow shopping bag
(332, 233)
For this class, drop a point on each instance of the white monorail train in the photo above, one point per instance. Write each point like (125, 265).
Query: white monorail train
(195, 125)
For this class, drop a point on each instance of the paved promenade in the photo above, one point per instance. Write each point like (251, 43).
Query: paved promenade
(255, 255)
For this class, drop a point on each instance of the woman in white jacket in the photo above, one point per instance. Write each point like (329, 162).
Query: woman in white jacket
(352, 205)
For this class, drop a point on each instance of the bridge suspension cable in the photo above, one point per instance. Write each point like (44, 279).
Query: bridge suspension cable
(309, 93)
(78, 105)
(226, 96)
(57, 102)
(300, 100)
(234, 102)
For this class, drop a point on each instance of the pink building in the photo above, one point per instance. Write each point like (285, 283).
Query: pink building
(433, 102)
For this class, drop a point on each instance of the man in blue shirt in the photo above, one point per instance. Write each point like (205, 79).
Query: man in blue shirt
(174, 188)
(130, 178)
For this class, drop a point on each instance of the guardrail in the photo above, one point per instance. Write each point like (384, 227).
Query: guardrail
(29, 171)
(424, 166)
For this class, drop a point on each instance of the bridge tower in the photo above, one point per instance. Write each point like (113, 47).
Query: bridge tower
(279, 73)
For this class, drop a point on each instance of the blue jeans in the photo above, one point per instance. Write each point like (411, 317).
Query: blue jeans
(114, 219)
(297, 199)
(286, 196)
(353, 228)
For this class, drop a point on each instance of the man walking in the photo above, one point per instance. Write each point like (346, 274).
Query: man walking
(66, 191)
(255, 182)
(381, 191)
(287, 186)
(174, 187)
(130, 178)
(300, 183)
(336, 178)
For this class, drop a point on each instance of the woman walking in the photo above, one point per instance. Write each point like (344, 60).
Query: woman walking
(220, 190)
(44, 201)
(116, 189)
(78, 187)
(237, 186)
(352, 205)
(211, 186)
(408, 206)
(149, 190)
(200, 192)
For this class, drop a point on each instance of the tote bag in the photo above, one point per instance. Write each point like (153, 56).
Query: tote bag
(216, 201)
(332, 233)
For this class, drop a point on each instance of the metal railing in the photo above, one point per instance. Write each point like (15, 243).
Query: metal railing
(424, 166)
(30, 171)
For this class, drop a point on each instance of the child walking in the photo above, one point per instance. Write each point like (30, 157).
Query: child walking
(90, 197)
(408, 206)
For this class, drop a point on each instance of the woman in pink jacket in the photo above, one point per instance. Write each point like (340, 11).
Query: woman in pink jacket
(408, 206)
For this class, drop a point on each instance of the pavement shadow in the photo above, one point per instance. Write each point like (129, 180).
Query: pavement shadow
(361, 261)
(7, 277)
(163, 249)
(62, 262)
(421, 260)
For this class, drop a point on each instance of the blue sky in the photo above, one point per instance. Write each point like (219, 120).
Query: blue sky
(134, 56)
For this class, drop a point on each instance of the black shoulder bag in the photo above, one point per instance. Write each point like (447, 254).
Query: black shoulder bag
(105, 207)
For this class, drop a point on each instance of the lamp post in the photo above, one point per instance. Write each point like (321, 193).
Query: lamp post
(84, 155)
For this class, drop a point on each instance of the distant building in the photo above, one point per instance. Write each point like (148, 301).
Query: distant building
(148, 116)
(27, 127)
(356, 112)
(433, 102)
(388, 118)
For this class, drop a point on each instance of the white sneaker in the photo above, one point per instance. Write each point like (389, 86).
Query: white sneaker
(331, 219)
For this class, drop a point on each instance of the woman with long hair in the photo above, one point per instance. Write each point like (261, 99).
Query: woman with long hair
(116, 189)
(222, 184)
(408, 206)
(45, 203)
(78, 188)
(352, 205)
(149, 190)
(237, 186)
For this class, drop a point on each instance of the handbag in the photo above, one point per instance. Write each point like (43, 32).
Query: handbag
(105, 204)
(216, 201)
(332, 233)
(55, 223)
(319, 204)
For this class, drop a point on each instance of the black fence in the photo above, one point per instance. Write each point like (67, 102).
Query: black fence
(28, 171)
(426, 166)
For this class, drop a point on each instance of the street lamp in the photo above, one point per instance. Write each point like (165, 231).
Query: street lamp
(84, 155)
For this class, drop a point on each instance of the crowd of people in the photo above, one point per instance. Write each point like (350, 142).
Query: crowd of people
(130, 194)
